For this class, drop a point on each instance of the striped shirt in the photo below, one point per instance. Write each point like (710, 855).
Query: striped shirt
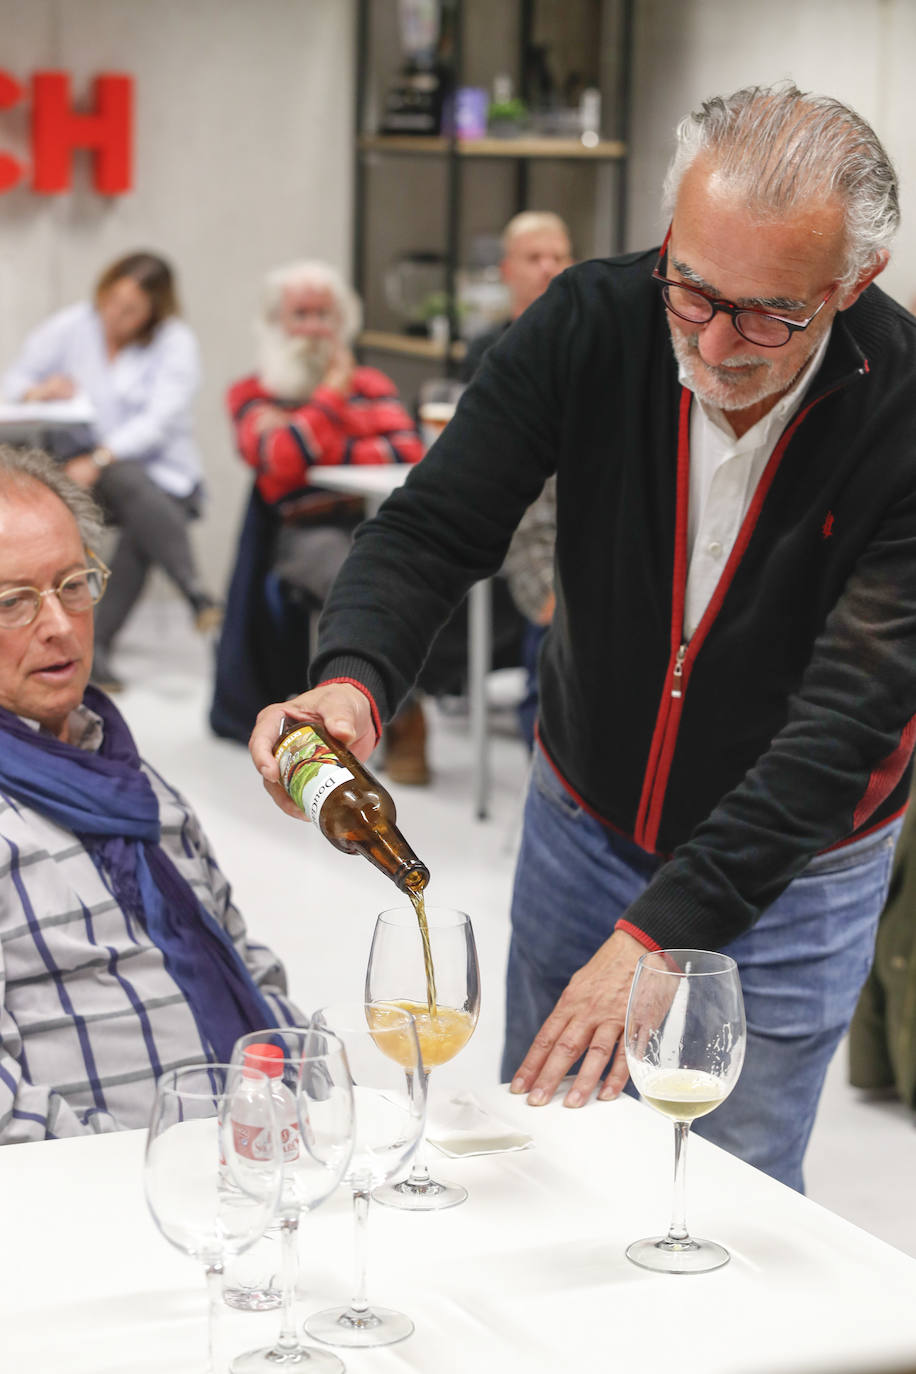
(89, 1016)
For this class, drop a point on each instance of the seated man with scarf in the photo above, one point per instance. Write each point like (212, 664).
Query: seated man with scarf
(121, 952)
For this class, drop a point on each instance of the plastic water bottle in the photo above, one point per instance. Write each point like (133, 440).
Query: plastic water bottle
(252, 1280)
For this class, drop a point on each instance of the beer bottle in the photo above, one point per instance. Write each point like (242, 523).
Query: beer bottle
(350, 807)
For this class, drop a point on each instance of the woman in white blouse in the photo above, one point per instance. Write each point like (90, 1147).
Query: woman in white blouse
(137, 364)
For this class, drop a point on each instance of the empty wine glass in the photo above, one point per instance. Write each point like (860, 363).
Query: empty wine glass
(389, 1093)
(212, 1184)
(310, 1084)
(397, 973)
(685, 1037)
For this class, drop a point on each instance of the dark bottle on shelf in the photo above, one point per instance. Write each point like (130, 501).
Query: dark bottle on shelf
(350, 807)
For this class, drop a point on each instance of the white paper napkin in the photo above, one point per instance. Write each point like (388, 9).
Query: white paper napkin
(461, 1126)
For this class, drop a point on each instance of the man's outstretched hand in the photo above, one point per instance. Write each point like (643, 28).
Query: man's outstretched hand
(588, 1020)
(343, 709)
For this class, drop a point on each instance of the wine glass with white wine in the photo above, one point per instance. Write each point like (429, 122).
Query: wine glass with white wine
(438, 982)
(685, 1038)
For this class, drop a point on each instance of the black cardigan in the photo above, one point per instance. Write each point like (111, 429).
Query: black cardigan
(787, 726)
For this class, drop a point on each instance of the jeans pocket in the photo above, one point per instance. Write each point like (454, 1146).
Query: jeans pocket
(551, 788)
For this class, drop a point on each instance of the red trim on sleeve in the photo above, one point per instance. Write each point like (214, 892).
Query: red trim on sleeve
(376, 718)
(886, 775)
(869, 830)
(629, 929)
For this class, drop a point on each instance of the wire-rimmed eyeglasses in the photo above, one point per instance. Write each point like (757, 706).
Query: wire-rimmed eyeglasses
(76, 592)
(758, 326)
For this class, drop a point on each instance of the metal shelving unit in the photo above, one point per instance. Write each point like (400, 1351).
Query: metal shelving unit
(519, 152)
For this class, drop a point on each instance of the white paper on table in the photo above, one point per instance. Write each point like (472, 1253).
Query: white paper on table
(460, 1126)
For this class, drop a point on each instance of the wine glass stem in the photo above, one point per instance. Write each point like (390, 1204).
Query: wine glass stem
(287, 1340)
(214, 1303)
(419, 1175)
(360, 1303)
(677, 1231)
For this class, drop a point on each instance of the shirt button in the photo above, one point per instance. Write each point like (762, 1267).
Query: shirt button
(714, 548)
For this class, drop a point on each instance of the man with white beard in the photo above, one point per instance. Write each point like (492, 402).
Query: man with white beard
(308, 405)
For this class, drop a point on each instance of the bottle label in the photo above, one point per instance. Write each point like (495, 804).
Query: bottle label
(309, 770)
(251, 1142)
(289, 1137)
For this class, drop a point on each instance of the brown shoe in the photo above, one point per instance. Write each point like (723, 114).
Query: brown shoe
(405, 746)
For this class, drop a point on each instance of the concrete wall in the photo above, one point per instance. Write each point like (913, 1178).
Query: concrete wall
(242, 157)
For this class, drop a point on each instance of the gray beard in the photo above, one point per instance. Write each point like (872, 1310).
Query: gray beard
(717, 387)
(291, 368)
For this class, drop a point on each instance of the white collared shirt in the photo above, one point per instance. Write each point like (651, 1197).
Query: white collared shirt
(724, 472)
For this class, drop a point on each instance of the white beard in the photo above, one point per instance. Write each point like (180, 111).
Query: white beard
(736, 384)
(289, 367)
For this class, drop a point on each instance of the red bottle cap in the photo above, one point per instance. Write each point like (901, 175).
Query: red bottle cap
(266, 1058)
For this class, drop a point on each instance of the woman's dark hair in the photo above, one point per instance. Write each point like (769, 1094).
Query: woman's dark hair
(154, 276)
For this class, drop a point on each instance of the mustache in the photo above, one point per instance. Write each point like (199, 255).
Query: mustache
(728, 367)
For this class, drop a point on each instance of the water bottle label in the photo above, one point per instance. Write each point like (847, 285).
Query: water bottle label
(289, 1138)
(309, 770)
(251, 1142)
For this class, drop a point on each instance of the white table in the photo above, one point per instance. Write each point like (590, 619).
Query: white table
(26, 421)
(375, 483)
(528, 1277)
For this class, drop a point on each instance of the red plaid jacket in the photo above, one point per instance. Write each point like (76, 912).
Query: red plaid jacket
(370, 425)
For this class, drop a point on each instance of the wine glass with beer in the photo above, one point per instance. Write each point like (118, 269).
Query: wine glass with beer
(424, 959)
(685, 1038)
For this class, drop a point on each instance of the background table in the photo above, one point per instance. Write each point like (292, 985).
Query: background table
(375, 483)
(529, 1276)
(26, 422)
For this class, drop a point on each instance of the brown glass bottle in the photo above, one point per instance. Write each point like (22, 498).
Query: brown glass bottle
(350, 807)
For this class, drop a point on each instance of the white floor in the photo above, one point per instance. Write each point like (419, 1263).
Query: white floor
(317, 907)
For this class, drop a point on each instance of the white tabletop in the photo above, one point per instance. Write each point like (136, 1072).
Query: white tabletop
(77, 410)
(528, 1275)
(369, 479)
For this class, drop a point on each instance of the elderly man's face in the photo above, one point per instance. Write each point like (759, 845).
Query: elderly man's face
(309, 312)
(44, 667)
(784, 266)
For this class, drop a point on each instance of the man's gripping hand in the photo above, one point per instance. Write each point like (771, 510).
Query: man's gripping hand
(342, 708)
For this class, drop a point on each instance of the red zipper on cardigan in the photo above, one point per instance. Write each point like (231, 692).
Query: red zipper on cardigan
(684, 652)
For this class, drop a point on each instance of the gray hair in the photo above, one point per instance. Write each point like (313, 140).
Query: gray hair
(782, 148)
(22, 469)
(313, 273)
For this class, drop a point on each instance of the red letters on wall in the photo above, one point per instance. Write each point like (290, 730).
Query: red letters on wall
(106, 130)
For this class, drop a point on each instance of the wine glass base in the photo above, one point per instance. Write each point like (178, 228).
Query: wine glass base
(420, 1197)
(245, 1299)
(302, 1359)
(376, 1326)
(691, 1256)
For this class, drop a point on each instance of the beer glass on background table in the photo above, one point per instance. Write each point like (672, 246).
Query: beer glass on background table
(437, 402)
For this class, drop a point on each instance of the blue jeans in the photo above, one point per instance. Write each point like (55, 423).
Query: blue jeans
(802, 965)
